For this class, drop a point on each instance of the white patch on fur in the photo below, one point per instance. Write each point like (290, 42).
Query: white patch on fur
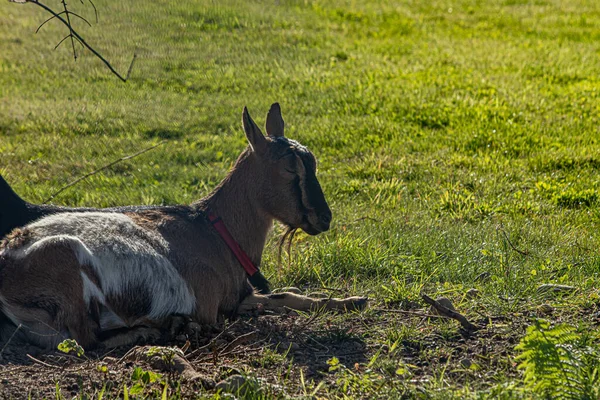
(91, 291)
(80, 249)
(126, 258)
(6, 311)
(109, 320)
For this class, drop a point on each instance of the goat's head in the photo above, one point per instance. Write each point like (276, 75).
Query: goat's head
(287, 185)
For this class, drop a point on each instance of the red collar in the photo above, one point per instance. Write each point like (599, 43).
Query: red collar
(240, 254)
(256, 278)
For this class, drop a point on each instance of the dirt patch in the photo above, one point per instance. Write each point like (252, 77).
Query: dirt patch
(278, 352)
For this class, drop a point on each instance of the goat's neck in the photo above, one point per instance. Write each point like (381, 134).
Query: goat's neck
(235, 201)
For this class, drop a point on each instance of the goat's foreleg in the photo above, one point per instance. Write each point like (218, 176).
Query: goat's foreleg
(126, 337)
(280, 301)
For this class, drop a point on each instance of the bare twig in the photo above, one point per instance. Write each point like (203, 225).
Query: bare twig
(245, 338)
(130, 66)
(63, 39)
(64, 3)
(48, 20)
(10, 339)
(306, 324)
(445, 311)
(41, 362)
(126, 355)
(213, 341)
(94, 7)
(521, 252)
(70, 184)
(411, 313)
(363, 219)
(80, 17)
(73, 35)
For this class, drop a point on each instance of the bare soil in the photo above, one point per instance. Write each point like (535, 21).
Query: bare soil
(276, 350)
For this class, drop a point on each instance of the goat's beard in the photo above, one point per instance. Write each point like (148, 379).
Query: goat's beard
(286, 240)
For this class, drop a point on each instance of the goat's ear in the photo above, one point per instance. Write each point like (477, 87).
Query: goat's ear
(275, 123)
(255, 137)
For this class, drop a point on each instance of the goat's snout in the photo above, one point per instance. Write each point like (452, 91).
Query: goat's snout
(325, 220)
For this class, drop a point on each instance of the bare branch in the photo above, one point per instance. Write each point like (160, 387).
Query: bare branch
(95, 9)
(79, 41)
(73, 35)
(64, 3)
(130, 66)
(63, 39)
(93, 6)
(80, 17)
(94, 172)
(48, 20)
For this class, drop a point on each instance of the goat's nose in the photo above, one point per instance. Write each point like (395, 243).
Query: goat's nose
(325, 218)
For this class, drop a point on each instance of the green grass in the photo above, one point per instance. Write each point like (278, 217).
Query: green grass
(446, 132)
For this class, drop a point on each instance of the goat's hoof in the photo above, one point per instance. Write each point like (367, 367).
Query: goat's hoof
(194, 327)
(178, 323)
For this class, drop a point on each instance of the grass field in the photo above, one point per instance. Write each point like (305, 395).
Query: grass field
(458, 144)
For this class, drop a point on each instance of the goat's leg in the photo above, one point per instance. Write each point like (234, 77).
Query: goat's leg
(43, 292)
(280, 301)
(140, 334)
(147, 331)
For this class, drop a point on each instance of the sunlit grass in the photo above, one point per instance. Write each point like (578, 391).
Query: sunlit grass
(444, 131)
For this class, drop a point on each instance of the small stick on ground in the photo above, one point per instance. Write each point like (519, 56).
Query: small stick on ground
(411, 313)
(212, 341)
(41, 362)
(245, 338)
(76, 181)
(129, 352)
(445, 311)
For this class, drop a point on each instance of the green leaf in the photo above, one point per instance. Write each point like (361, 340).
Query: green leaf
(150, 377)
(136, 389)
(164, 393)
(557, 363)
(333, 363)
(136, 374)
(71, 346)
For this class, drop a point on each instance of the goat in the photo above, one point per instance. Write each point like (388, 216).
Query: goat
(109, 279)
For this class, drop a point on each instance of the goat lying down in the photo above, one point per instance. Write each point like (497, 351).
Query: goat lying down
(87, 275)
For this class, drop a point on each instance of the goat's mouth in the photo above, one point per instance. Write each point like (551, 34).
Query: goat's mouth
(313, 229)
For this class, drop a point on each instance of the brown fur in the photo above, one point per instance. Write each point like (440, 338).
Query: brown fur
(19, 237)
(54, 297)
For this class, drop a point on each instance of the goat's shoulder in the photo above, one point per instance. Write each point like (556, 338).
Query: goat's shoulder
(165, 218)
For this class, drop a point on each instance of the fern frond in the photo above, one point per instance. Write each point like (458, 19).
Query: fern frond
(557, 363)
